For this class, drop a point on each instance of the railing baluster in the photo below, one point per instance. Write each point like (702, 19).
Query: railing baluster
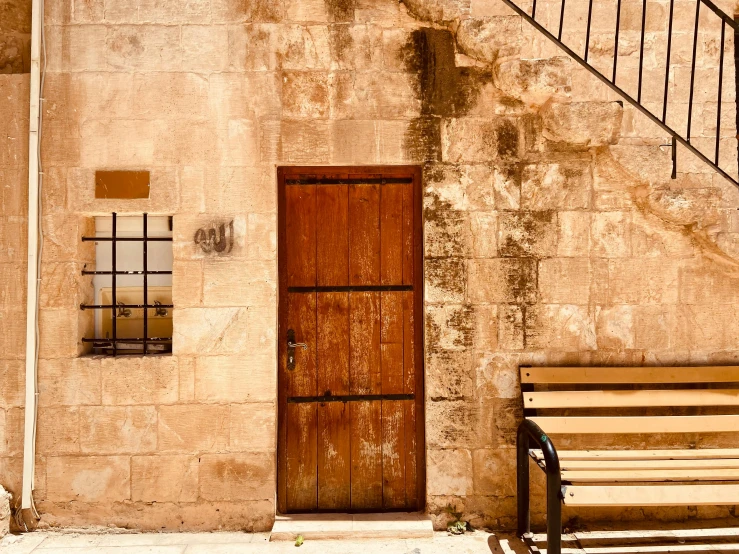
(587, 35)
(533, 10)
(641, 47)
(615, 44)
(561, 20)
(667, 68)
(720, 83)
(692, 67)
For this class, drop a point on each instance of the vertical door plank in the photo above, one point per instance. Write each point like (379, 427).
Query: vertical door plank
(411, 477)
(408, 237)
(393, 454)
(391, 334)
(333, 343)
(409, 351)
(366, 452)
(301, 317)
(302, 484)
(300, 207)
(365, 370)
(334, 456)
(391, 234)
(364, 234)
(332, 235)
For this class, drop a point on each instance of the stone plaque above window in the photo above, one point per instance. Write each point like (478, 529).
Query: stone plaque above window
(122, 184)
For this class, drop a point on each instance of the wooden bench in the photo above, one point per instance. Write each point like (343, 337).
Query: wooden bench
(592, 398)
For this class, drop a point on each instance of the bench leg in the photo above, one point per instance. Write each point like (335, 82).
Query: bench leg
(554, 516)
(522, 483)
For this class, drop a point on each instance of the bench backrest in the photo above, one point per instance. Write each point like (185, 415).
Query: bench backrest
(607, 390)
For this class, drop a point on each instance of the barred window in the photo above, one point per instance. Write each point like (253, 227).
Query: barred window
(133, 284)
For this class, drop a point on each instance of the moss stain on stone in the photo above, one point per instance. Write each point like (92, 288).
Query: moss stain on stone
(340, 11)
(444, 89)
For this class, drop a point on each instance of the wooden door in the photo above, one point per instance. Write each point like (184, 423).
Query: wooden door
(351, 434)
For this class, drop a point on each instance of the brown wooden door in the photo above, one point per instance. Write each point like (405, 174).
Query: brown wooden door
(351, 402)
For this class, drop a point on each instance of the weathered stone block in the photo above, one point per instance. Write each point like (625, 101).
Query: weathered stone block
(586, 124)
(652, 326)
(373, 95)
(449, 472)
(140, 380)
(139, 47)
(501, 280)
(534, 81)
(199, 331)
(262, 233)
(253, 427)
(527, 234)
(494, 471)
(564, 281)
(459, 187)
(448, 375)
(5, 499)
(187, 283)
(614, 327)
(305, 94)
(239, 283)
(193, 428)
(238, 144)
(484, 230)
(445, 280)
(235, 379)
(643, 281)
(560, 327)
(479, 140)
(496, 375)
(452, 424)
(88, 479)
(573, 234)
(610, 234)
(491, 39)
(303, 141)
(59, 333)
(164, 478)
(511, 333)
(447, 233)
(12, 383)
(561, 186)
(114, 429)
(235, 477)
(187, 379)
(68, 382)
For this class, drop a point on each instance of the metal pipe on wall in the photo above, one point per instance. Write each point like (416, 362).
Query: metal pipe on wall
(34, 185)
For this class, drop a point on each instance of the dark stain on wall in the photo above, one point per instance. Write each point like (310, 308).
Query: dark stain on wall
(340, 11)
(507, 139)
(340, 42)
(444, 89)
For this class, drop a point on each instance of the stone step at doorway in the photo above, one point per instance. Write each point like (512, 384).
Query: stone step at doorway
(393, 525)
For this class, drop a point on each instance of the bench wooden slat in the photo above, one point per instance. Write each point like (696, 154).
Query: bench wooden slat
(604, 465)
(629, 375)
(633, 398)
(657, 475)
(638, 424)
(669, 454)
(652, 495)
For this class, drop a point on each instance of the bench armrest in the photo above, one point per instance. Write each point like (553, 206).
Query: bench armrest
(530, 431)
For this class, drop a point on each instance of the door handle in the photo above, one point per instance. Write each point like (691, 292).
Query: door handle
(291, 345)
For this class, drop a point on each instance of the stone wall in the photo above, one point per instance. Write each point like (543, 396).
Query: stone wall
(553, 235)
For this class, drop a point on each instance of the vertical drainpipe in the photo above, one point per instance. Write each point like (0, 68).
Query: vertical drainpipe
(29, 439)
(736, 82)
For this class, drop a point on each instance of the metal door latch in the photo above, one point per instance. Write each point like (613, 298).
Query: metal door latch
(291, 345)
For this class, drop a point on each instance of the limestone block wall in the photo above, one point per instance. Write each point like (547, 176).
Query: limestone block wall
(553, 235)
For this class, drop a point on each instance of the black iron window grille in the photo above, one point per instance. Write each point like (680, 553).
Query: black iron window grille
(115, 344)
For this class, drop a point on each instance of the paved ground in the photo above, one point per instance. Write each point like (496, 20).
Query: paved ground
(243, 543)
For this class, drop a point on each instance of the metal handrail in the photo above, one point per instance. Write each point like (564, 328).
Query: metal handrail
(636, 102)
